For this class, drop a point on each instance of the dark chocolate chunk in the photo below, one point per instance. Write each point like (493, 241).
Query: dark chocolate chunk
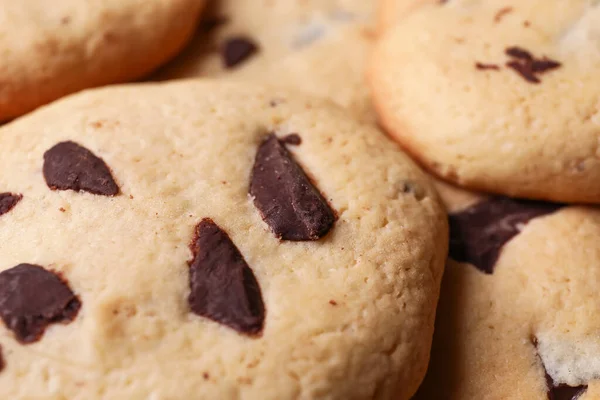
(2, 362)
(528, 66)
(565, 392)
(483, 66)
(8, 201)
(524, 69)
(478, 233)
(543, 65)
(293, 139)
(223, 287)
(237, 50)
(69, 166)
(32, 298)
(287, 200)
(517, 52)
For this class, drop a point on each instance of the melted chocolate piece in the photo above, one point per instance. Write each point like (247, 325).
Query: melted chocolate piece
(32, 298)
(237, 50)
(2, 363)
(478, 234)
(292, 139)
(288, 202)
(8, 201)
(69, 166)
(528, 66)
(223, 287)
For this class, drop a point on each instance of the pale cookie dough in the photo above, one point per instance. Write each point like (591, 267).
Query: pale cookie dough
(500, 96)
(48, 50)
(212, 240)
(389, 12)
(519, 320)
(319, 47)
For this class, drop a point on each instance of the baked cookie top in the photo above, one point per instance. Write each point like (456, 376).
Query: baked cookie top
(516, 317)
(210, 239)
(500, 96)
(48, 52)
(319, 47)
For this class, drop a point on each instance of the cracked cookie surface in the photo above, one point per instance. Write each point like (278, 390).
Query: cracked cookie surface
(212, 240)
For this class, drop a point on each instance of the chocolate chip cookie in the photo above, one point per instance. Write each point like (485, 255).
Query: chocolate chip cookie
(319, 47)
(49, 51)
(519, 296)
(498, 96)
(212, 240)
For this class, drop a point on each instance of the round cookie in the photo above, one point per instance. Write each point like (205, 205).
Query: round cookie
(49, 52)
(318, 47)
(212, 240)
(499, 96)
(517, 311)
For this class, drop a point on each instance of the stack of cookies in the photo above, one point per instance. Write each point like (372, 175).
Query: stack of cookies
(299, 199)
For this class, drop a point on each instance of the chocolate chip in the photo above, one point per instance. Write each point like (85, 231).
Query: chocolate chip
(543, 65)
(2, 363)
(524, 70)
(564, 392)
(223, 287)
(293, 139)
(478, 234)
(527, 66)
(237, 50)
(8, 201)
(287, 200)
(483, 66)
(69, 166)
(32, 298)
(519, 53)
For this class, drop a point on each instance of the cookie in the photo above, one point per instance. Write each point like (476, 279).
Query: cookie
(318, 47)
(48, 53)
(516, 317)
(212, 240)
(497, 96)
